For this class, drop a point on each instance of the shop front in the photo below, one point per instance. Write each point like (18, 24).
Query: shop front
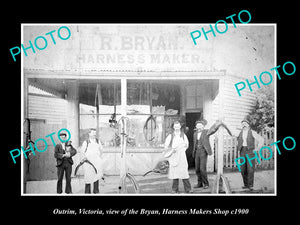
(152, 74)
(151, 105)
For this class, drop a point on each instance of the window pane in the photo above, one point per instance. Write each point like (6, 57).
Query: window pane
(190, 102)
(199, 90)
(86, 122)
(138, 93)
(165, 96)
(99, 93)
(87, 97)
(145, 133)
(191, 90)
(109, 93)
(138, 109)
(87, 109)
(107, 133)
(199, 102)
(109, 109)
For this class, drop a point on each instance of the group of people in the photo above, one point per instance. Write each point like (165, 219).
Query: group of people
(92, 153)
(176, 143)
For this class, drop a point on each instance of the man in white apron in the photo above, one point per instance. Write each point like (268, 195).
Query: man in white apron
(178, 142)
(92, 150)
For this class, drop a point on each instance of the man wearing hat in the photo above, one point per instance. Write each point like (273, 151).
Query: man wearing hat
(246, 145)
(201, 150)
(63, 153)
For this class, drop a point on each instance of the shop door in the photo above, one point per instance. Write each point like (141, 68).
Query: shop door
(43, 164)
(191, 118)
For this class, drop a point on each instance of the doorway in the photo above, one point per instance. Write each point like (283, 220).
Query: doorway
(191, 119)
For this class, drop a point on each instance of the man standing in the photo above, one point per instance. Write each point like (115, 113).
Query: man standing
(201, 150)
(92, 151)
(63, 152)
(178, 143)
(246, 145)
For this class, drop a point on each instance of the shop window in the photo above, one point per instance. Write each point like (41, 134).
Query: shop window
(151, 108)
(99, 97)
(150, 105)
(100, 109)
(146, 131)
(138, 93)
(110, 94)
(165, 98)
(194, 97)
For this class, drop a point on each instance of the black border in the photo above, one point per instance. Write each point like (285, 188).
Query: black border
(31, 207)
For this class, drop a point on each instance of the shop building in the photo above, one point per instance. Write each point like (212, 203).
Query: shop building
(149, 73)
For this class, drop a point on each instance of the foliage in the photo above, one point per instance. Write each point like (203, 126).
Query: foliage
(262, 114)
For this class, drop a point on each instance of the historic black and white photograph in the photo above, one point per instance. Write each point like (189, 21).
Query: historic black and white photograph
(149, 109)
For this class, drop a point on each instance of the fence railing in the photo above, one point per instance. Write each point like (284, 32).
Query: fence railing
(230, 152)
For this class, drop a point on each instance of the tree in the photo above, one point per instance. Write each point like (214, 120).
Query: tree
(262, 114)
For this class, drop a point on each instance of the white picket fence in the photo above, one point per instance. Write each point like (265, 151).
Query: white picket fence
(230, 151)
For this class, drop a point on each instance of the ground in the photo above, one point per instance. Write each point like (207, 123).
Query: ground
(160, 184)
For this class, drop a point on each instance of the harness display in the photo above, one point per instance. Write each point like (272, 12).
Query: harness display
(86, 160)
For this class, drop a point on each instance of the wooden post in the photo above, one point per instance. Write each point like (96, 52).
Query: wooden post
(123, 128)
(73, 116)
(24, 162)
(220, 150)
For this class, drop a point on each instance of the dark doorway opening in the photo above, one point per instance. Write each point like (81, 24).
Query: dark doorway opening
(191, 118)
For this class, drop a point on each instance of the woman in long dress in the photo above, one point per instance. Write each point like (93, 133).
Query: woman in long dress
(92, 150)
(178, 143)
